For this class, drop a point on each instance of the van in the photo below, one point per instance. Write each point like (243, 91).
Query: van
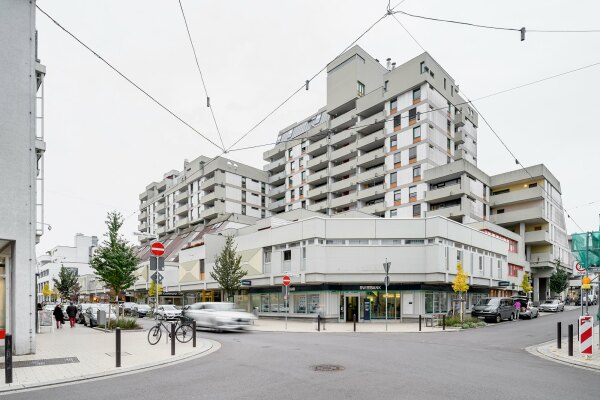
(494, 309)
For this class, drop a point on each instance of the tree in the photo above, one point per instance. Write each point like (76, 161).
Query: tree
(46, 291)
(152, 289)
(525, 285)
(114, 260)
(67, 279)
(228, 271)
(460, 285)
(559, 280)
(75, 292)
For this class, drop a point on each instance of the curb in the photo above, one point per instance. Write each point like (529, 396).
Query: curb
(537, 351)
(213, 346)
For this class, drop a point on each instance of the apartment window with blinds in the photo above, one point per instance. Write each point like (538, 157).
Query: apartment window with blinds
(393, 213)
(394, 104)
(267, 260)
(397, 159)
(417, 95)
(412, 153)
(499, 269)
(243, 196)
(303, 176)
(292, 194)
(393, 178)
(300, 162)
(243, 181)
(360, 89)
(397, 195)
(459, 256)
(480, 263)
(393, 142)
(243, 209)
(397, 122)
(412, 193)
(301, 191)
(417, 132)
(416, 210)
(263, 187)
(290, 153)
(412, 116)
(290, 181)
(293, 165)
(417, 171)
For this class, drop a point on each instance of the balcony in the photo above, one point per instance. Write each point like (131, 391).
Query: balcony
(209, 183)
(540, 258)
(316, 178)
(161, 230)
(372, 141)
(446, 193)
(533, 215)
(277, 191)
(377, 208)
(143, 226)
(143, 215)
(372, 158)
(144, 196)
(529, 194)
(459, 154)
(343, 200)
(459, 137)
(276, 205)
(343, 137)
(368, 122)
(318, 162)
(182, 197)
(275, 166)
(344, 168)
(316, 207)
(343, 121)
(277, 179)
(448, 212)
(371, 174)
(160, 208)
(182, 222)
(278, 150)
(537, 238)
(217, 194)
(317, 193)
(342, 153)
(213, 212)
(317, 148)
(347, 183)
(160, 219)
(371, 193)
(459, 119)
(182, 210)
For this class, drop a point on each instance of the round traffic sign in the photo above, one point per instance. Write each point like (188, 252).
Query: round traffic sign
(157, 249)
(579, 267)
(286, 280)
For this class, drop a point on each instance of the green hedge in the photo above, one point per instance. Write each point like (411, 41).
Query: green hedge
(467, 322)
(124, 323)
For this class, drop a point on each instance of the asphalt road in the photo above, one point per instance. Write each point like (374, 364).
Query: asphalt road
(488, 363)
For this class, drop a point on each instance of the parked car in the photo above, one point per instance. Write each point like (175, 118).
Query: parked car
(91, 314)
(220, 316)
(494, 308)
(528, 310)
(126, 307)
(590, 299)
(140, 310)
(552, 305)
(81, 311)
(167, 311)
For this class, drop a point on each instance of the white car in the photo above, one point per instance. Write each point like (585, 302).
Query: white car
(167, 312)
(219, 316)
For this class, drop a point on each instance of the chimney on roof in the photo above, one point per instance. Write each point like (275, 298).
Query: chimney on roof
(388, 65)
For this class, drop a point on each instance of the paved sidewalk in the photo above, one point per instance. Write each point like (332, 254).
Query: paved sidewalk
(549, 350)
(278, 325)
(85, 353)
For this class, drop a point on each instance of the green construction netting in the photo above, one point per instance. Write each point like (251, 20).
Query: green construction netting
(579, 246)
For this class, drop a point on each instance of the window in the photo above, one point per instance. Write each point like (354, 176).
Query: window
(262, 187)
(422, 67)
(397, 122)
(360, 88)
(243, 209)
(417, 95)
(394, 104)
(397, 159)
(480, 263)
(416, 210)
(290, 181)
(448, 125)
(412, 153)
(532, 185)
(417, 132)
(393, 178)
(287, 255)
(243, 181)
(393, 142)
(290, 153)
(451, 90)
(397, 194)
(459, 256)
(412, 116)
(201, 270)
(393, 213)
(303, 146)
(412, 192)
(417, 171)
(263, 214)
(301, 191)
(303, 176)
(500, 211)
(303, 205)
(292, 194)
(444, 83)
(243, 196)
(293, 165)
(448, 144)
(262, 201)
(499, 269)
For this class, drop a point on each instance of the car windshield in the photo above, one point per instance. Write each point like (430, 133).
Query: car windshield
(220, 306)
(169, 308)
(550, 302)
(488, 302)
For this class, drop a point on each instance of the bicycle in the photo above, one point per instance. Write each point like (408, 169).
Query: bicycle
(183, 331)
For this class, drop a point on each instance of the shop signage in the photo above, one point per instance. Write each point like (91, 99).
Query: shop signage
(503, 284)
(370, 287)
(246, 282)
(170, 294)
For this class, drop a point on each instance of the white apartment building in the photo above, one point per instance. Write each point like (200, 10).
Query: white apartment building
(200, 193)
(21, 171)
(368, 147)
(336, 264)
(75, 258)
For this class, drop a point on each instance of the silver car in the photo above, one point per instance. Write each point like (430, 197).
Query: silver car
(219, 316)
(167, 312)
(552, 305)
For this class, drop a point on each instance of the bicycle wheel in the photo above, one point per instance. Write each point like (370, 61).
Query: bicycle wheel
(154, 334)
(184, 333)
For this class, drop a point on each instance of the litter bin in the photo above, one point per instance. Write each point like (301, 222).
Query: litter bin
(101, 317)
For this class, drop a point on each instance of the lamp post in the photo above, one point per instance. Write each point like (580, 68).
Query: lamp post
(386, 268)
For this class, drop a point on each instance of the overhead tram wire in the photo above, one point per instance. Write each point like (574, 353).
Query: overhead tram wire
(126, 78)
(208, 103)
(508, 149)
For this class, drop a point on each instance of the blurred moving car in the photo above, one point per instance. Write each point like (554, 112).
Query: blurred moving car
(552, 305)
(528, 310)
(91, 314)
(494, 308)
(126, 307)
(140, 310)
(167, 311)
(220, 316)
(81, 310)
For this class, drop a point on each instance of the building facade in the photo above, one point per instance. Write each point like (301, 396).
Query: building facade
(368, 147)
(200, 193)
(75, 258)
(21, 171)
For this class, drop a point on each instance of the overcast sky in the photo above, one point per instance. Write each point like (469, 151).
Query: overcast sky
(106, 141)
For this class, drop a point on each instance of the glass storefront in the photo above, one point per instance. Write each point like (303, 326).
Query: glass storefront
(304, 303)
(377, 299)
(436, 302)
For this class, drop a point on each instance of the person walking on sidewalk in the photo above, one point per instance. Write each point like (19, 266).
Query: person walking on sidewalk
(517, 309)
(58, 316)
(72, 313)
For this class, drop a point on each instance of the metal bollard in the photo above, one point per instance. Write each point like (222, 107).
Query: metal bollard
(571, 340)
(444, 322)
(172, 339)
(194, 333)
(419, 322)
(8, 364)
(558, 335)
(118, 350)
(354, 318)
(318, 323)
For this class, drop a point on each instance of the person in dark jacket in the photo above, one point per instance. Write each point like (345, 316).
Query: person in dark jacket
(58, 316)
(72, 313)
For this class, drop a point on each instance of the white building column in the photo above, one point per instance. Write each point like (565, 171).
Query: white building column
(536, 288)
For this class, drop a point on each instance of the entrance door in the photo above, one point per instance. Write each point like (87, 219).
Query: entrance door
(408, 300)
(352, 308)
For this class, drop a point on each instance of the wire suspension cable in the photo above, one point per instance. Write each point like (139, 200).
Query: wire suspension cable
(126, 78)
(201, 75)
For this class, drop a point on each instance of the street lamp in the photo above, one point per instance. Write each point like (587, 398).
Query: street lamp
(386, 268)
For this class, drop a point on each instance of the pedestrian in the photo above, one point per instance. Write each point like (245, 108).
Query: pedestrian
(72, 313)
(517, 309)
(58, 316)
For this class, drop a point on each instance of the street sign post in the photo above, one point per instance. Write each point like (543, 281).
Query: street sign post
(286, 283)
(157, 249)
(286, 280)
(386, 281)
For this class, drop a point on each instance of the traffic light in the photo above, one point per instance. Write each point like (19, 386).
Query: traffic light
(585, 282)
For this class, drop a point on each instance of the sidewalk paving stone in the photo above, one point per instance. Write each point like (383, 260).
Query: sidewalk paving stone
(550, 351)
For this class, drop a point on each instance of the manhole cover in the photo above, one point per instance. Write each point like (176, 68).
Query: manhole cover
(327, 368)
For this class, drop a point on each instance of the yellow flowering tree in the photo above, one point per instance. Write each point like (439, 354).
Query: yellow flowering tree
(525, 285)
(152, 289)
(460, 285)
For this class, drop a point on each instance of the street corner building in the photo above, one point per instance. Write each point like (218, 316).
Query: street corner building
(21, 172)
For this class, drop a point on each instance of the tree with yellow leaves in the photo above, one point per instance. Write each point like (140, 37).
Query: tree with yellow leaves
(525, 285)
(460, 285)
(152, 289)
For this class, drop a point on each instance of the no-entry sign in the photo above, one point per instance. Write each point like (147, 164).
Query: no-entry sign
(157, 249)
(286, 280)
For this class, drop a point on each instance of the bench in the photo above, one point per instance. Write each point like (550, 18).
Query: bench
(432, 320)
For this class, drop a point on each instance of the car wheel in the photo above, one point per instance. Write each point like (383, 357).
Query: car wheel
(511, 317)
(499, 318)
